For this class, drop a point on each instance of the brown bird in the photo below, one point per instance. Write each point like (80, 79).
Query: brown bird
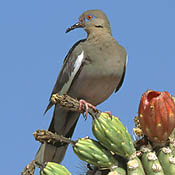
(93, 69)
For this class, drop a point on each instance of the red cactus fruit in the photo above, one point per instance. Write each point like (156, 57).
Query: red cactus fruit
(157, 115)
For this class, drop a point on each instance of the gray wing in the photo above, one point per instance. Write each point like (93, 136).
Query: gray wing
(124, 71)
(68, 71)
(121, 80)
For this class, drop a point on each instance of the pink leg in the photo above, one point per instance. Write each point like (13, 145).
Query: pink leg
(87, 105)
(109, 113)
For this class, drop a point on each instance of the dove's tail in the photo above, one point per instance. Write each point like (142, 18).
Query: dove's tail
(63, 123)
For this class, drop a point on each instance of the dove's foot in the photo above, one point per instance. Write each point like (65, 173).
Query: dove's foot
(87, 105)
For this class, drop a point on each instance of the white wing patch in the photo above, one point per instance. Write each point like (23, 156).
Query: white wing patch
(78, 63)
(77, 66)
(126, 60)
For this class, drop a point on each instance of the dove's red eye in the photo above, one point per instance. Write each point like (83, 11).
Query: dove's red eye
(89, 17)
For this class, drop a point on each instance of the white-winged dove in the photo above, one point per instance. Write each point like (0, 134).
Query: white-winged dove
(93, 69)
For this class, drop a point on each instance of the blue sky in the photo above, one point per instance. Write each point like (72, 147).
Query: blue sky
(33, 45)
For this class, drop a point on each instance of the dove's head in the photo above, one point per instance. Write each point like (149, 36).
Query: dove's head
(92, 20)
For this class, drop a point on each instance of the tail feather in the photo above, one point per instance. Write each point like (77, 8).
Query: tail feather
(51, 153)
(63, 123)
(48, 107)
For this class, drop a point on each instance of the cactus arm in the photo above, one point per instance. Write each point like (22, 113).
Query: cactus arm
(167, 160)
(150, 162)
(134, 167)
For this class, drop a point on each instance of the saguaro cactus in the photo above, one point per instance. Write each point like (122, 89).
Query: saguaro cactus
(114, 152)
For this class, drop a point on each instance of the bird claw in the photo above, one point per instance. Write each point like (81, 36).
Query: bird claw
(54, 98)
(109, 114)
(84, 105)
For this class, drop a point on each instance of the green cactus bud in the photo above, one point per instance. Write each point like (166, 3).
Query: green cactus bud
(113, 135)
(53, 168)
(94, 153)
(150, 162)
(167, 160)
(135, 167)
